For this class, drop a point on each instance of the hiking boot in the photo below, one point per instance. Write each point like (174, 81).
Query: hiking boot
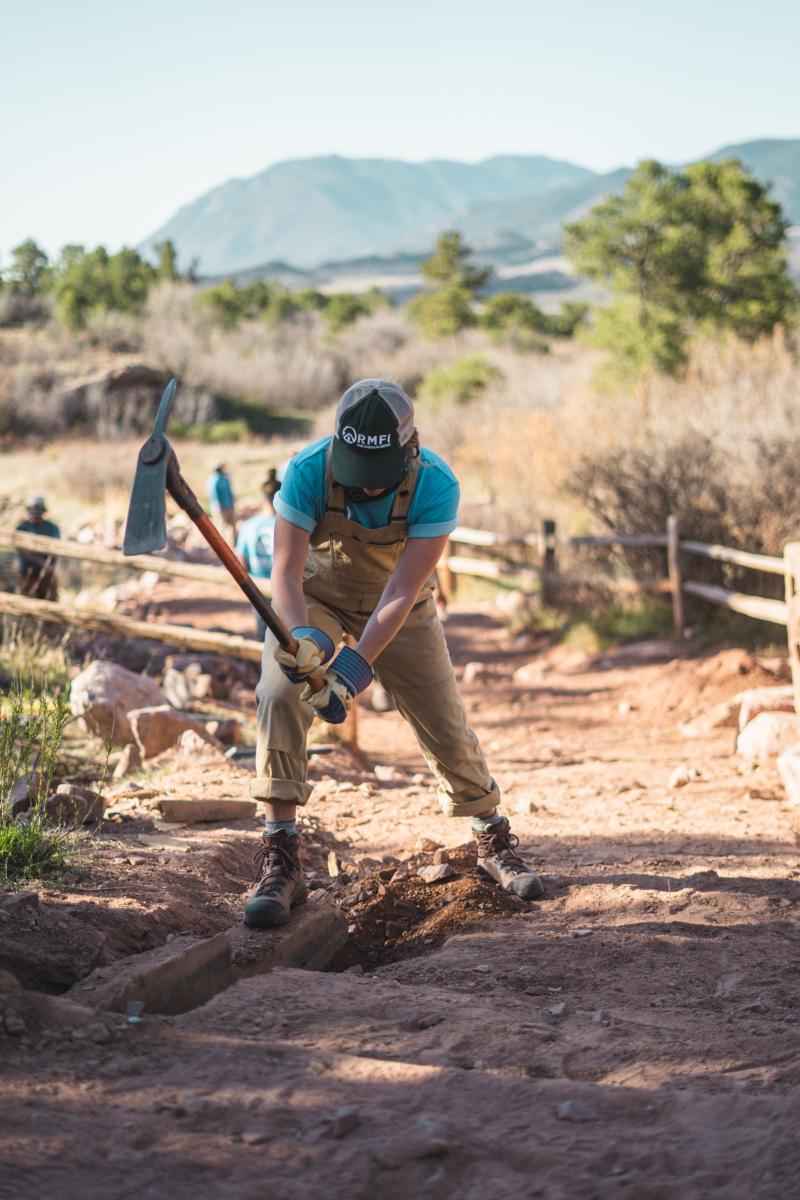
(497, 858)
(279, 880)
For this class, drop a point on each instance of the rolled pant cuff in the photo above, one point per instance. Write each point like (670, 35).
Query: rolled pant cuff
(453, 806)
(285, 791)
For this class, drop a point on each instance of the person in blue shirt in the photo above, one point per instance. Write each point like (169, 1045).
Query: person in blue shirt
(221, 499)
(37, 571)
(362, 520)
(255, 540)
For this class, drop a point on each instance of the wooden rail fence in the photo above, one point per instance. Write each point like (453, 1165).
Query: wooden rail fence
(538, 577)
(170, 567)
(779, 612)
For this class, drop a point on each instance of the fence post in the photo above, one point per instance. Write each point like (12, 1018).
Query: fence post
(549, 569)
(791, 556)
(675, 580)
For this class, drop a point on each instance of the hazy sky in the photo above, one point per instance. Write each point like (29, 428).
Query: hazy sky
(116, 113)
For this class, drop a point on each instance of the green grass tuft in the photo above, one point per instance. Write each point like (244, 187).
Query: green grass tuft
(30, 849)
(32, 724)
(625, 621)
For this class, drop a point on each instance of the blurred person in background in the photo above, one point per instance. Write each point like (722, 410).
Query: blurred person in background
(221, 499)
(255, 540)
(362, 520)
(37, 571)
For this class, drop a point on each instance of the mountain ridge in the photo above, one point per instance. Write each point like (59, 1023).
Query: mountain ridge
(310, 211)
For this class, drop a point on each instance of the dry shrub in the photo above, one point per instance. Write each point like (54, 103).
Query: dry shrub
(118, 332)
(517, 458)
(35, 347)
(516, 445)
(719, 449)
(286, 366)
(385, 345)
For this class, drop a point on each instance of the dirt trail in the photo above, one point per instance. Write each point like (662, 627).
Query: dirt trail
(636, 1032)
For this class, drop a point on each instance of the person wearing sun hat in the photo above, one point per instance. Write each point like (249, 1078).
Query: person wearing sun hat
(37, 571)
(362, 519)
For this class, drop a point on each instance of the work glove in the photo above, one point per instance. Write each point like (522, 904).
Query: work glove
(347, 675)
(313, 649)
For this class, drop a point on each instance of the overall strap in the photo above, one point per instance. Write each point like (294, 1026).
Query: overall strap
(405, 492)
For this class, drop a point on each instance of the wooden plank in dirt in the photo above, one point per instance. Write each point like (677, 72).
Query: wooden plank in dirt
(189, 812)
(188, 971)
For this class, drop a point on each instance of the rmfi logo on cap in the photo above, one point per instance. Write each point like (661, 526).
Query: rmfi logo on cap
(366, 441)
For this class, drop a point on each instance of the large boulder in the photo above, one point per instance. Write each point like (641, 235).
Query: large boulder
(768, 735)
(103, 695)
(158, 727)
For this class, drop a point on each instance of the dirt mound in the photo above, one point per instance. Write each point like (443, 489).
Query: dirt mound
(405, 918)
(687, 687)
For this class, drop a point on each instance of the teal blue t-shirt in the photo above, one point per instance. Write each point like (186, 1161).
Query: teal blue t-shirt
(254, 543)
(220, 491)
(434, 506)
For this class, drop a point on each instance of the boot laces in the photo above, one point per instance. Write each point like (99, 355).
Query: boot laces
(502, 844)
(278, 861)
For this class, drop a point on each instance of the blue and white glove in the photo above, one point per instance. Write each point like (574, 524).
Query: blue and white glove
(313, 649)
(347, 675)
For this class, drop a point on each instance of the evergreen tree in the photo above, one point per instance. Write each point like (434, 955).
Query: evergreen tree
(682, 251)
(447, 304)
(167, 264)
(27, 275)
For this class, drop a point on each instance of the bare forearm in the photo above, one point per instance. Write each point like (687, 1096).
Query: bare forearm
(400, 595)
(289, 601)
(387, 620)
(288, 561)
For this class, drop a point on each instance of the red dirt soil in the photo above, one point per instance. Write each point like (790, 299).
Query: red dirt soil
(636, 1033)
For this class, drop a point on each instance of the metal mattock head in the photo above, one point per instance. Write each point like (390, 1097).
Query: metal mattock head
(146, 527)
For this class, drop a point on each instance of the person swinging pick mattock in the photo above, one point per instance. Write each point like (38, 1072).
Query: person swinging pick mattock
(363, 517)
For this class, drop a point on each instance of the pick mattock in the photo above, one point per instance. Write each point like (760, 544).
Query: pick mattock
(158, 471)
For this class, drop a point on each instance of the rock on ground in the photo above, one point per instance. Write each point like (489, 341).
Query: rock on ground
(103, 695)
(130, 760)
(23, 793)
(183, 686)
(789, 770)
(768, 735)
(193, 745)
(74, 805)
(159, 727)
(767, 699)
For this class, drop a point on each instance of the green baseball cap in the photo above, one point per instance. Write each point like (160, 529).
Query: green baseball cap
(374, 421)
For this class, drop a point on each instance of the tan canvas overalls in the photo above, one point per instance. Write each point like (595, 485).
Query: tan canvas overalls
(346, 571)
